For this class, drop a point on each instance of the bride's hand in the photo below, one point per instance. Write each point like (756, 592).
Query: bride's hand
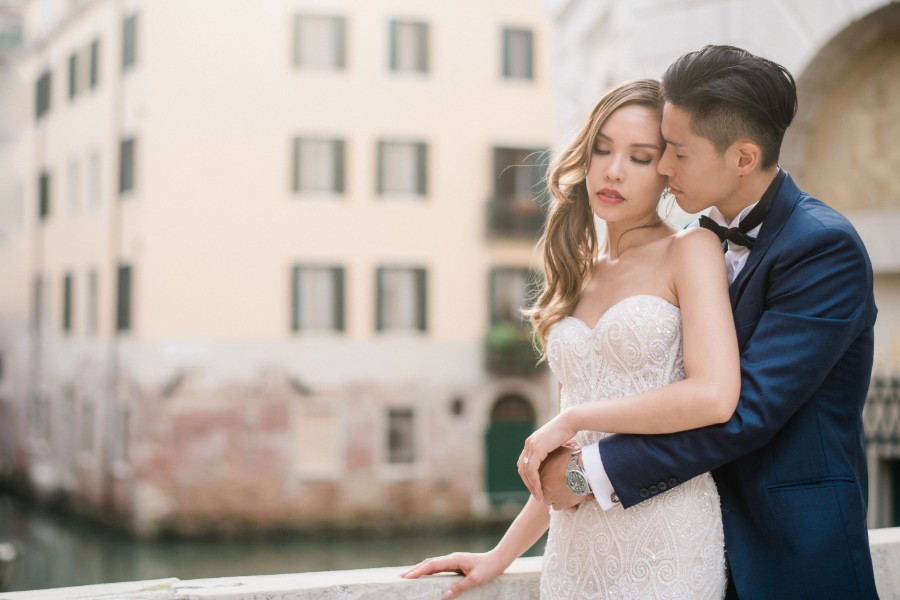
(539, 444)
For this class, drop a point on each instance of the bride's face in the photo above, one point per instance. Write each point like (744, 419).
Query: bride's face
(623, 184)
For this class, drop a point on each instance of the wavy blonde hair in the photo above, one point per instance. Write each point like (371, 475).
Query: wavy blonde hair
(569, 240)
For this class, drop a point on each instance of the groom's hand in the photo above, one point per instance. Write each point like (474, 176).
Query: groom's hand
(557, 494)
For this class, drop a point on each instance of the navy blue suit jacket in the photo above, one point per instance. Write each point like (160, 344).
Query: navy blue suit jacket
(790, 464)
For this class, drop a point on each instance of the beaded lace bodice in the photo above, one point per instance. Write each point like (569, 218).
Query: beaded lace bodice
(670, 546)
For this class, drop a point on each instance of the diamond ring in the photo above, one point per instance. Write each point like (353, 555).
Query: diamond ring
(526, 460)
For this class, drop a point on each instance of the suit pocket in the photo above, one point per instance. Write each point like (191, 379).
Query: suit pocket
(808, 496)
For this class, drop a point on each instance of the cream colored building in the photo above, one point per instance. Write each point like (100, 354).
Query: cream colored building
(842, 146)
(252, 252)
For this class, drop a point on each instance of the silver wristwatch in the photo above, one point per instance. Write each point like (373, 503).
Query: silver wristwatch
(576, 479)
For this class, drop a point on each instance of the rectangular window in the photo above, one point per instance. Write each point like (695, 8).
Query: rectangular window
(73, 75)
(402, 168)
(319, 42)
(129, 42)
(94, 62)
(123, 298)
(68, 284)
(518, 53)
(126, 165)
(409, 47)
(401, 436)
(519, 172)
(91, 327)
(512, 289)
(317, 298)
(74, 186)
(43, 93)
(318, 165)
(44, 191)
(401, 301)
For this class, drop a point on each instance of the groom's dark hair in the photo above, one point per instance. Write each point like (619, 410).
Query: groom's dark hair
(731, 94)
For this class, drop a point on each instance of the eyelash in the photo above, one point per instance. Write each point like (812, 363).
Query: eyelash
(634, 160)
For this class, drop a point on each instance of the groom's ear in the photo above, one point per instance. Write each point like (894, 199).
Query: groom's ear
(748, 155)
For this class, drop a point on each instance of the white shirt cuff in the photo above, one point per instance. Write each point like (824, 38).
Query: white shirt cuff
(601, 486)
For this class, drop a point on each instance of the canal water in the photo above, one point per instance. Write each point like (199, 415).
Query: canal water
(60, 551)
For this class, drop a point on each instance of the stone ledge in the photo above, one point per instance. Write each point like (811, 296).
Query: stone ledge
(520, 581)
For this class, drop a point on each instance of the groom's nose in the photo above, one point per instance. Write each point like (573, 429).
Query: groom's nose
(664, 166)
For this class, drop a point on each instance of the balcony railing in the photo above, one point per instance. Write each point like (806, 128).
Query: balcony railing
(515, 217)
(881, 416)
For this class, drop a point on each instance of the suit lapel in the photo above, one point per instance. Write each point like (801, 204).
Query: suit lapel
(782, 207)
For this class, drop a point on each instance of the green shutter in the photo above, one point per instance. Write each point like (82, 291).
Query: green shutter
(339, 146)
(505, 67)
(338, 275)
(393, 50)
(379, 185)
(123, 298)
(422, 168)
(296, 165)
(421, 299)
(295, 299)
(73, 75)
(67, 303)
(423, 47)
(340, 50)
(379, 299)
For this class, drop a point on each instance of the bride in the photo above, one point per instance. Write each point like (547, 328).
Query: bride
(640, 335)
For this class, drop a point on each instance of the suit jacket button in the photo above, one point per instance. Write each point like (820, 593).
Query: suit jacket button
(644, 493)
(654, 490)
(672, 481)
(662, 486)
(614, 497)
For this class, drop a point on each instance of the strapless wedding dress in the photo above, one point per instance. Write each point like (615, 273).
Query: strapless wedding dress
(670, 546)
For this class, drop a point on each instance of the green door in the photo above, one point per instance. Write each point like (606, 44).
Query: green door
(512, 420)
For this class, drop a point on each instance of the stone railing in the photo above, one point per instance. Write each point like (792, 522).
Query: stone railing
(519, 582)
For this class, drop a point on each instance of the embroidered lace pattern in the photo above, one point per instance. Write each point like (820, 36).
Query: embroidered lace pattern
(668, 547)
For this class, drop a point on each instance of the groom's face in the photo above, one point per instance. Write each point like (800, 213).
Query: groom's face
(699, 175)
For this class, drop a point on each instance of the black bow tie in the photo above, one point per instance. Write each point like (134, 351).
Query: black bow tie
(739, 235)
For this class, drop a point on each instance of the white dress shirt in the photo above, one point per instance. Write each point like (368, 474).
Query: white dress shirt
(735, 259)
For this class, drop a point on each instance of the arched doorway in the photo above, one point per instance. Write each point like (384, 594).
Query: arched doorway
(843, 149)
(512, 420)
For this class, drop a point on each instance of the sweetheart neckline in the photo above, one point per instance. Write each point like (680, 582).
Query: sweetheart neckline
(616, 304)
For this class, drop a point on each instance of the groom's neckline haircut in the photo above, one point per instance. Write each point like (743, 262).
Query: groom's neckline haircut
(732, 94)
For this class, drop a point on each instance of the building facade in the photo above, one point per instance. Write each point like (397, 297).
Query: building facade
(262, 263)
(845, 56)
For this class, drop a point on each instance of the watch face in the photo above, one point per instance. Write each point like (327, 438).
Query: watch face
(578, 483)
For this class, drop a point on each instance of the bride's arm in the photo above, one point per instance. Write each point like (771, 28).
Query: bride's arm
(710, 390)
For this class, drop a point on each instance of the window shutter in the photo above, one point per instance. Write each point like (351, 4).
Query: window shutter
(529, 55)
(340, 37)
(295, 299)
(43, 196)
(422, 168)
(339, 146)
(126, 165)
(379, 299)
(423, 47)
(67, 303)
(296, 165)
(394, 43)
(123, 296)
(338, 279)
(506, 57)
(73, 75)
(380, 169)
(421, 299)
(95, 64)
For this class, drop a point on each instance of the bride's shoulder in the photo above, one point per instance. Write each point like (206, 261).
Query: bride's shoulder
(694, 240)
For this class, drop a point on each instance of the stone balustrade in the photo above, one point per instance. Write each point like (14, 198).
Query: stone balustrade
(520, 582)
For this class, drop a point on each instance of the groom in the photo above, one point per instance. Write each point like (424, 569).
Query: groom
(790, 464)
